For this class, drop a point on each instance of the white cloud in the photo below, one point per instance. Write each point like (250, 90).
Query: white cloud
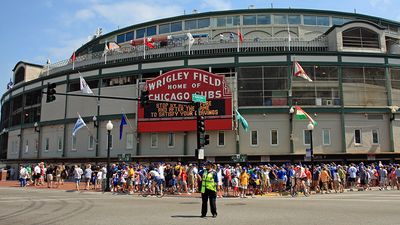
(128, 13)
(216, 4)
(84, 14)
(65, 49)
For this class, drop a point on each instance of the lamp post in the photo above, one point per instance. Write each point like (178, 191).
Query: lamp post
(109, 127)
(310, 127)
(95, 124)
(37, 129)
(393, 110)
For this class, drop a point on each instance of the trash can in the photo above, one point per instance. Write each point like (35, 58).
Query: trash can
(3, 175)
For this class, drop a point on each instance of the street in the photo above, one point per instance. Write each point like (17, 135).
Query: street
(41, 206)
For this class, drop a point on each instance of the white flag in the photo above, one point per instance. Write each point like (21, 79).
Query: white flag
(85, 87)
(78, 125)
(190, 40)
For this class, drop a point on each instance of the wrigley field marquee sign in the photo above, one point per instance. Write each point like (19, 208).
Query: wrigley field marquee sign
(180, 85)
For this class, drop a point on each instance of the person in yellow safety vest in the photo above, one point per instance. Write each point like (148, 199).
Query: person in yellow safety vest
(208, 189)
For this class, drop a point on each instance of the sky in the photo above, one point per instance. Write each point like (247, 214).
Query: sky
(33, 31)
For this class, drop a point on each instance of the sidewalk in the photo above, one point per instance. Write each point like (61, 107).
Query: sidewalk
(70, 186)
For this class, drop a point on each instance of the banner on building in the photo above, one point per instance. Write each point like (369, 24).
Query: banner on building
(179, 85)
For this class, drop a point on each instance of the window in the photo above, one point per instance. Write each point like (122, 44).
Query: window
(153, 140)
(306, 137)
(274, 137)
(323, 20)
(171, 140)
(249, 20)
(337, 21)
(221, 21)
(233, 20)
(280, 19)
(73, 148)
(91, 142)
(26, 146)
(294, 19)
(60, 143)
(221, 138)
(140, 33)
(129, 141)
(375, 137)
(150, 31)
(121, 38)
(357, 137)
(263, 19)
(326, 136)
(202, 23)
(175, 27)
(129, 36)
(46, 144)
(360, 37)
(190, 24)
(110, 141)
(164, 28)
(254, 138)
(310, 20)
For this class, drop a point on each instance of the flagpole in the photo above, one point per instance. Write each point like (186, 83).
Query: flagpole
(144, 46)
(288, 29)
(238, 38)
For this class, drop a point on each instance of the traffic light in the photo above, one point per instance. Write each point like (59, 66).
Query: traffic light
(206, 139)
(51, 91)
(200, 124)
(144, 98)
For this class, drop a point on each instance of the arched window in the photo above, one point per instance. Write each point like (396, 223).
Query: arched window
(360, 37)
(19, 75)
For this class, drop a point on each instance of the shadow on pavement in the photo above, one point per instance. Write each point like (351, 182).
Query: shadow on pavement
(185, 216)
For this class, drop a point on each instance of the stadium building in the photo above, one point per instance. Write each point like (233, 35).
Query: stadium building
(242, 60)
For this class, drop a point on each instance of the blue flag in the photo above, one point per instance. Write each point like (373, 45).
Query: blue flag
(121, 125)
(78, 125)
(242, 120)
(10, 84)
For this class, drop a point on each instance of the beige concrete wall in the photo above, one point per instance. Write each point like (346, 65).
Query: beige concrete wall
(52, 133)
(54, 110)
(31, 138)
(396, 134)
(111, 106)
(360, 121)
(32, 73)
(13, 144)
(263, 125)
(85, 106)
(325, 121)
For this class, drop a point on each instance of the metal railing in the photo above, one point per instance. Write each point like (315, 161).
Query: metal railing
(181, 48)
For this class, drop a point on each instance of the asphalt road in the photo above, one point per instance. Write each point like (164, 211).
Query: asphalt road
(33, 206)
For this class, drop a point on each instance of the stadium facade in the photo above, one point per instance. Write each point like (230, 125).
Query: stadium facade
(353, 60)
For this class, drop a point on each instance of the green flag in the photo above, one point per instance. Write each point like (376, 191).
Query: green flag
(242, 120)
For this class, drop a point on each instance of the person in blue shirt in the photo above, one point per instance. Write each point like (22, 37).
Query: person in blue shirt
(281, 174)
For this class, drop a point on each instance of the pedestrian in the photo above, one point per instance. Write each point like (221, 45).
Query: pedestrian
(87, 176)
(36, 174)
(209, 189)
(49, 176)
(78, 172)
(23, 175)
(244, 182)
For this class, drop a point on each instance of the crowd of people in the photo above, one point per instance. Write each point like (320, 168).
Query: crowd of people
(232, 180)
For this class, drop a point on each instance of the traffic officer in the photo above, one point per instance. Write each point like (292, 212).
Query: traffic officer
(208, 189)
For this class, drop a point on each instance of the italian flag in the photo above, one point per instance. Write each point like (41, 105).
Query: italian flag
(302, 115)
(298, 71)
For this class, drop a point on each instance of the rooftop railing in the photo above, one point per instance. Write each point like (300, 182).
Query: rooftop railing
(181, 48)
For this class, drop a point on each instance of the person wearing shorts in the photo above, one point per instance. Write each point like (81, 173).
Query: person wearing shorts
(78, 172)
(244, 182)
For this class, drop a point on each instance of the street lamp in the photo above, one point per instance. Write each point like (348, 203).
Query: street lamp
(109, 127)
(95, 124)
(393, 110)
(36, 125)
(310, 127)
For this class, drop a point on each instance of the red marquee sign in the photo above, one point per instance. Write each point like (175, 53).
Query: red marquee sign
(179, 85)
